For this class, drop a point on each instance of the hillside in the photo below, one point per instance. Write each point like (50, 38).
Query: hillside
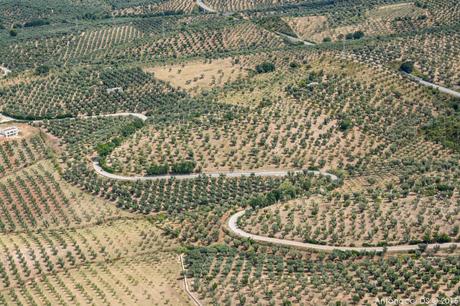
(261, 152)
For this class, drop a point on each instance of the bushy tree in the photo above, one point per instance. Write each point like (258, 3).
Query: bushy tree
(265, 67)
(158, 169)
(183, 167)
(42, 70)
(407, 67)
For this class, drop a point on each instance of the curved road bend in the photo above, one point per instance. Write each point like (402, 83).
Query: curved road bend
(233, 226)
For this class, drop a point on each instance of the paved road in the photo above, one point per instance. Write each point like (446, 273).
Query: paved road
(233, 226)
(295, 39)
(205, 8)
(440, 88)
(4, 119)
(274, 173)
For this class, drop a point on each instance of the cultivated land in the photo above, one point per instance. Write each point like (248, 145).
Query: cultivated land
(200, 75)
(229, 152)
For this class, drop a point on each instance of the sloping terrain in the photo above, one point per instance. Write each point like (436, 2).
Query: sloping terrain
(213, 152)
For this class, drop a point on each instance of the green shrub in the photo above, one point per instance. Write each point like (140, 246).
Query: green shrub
(354, 35)
(407, 67)
(265, 67)
(442, 238)
(158, 169)
(36, 23)
(345, 124)
(183, 167)
(358, 35)
(294, 65)
(42, 70)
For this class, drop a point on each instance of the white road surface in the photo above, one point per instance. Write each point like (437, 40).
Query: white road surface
(205, 8)
(273, 173)
(428, 84)
(233, 226)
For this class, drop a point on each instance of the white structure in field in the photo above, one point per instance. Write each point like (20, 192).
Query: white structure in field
(9, 131)
(4, 71)
(114, 89)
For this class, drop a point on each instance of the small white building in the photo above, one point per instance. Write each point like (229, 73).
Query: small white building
(9, 132)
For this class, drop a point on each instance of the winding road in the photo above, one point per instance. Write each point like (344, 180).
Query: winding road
(233, 226)
(233, 220)
(271, 173)
(428, 84)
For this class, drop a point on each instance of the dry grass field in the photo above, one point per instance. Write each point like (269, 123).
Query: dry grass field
(197, 76)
